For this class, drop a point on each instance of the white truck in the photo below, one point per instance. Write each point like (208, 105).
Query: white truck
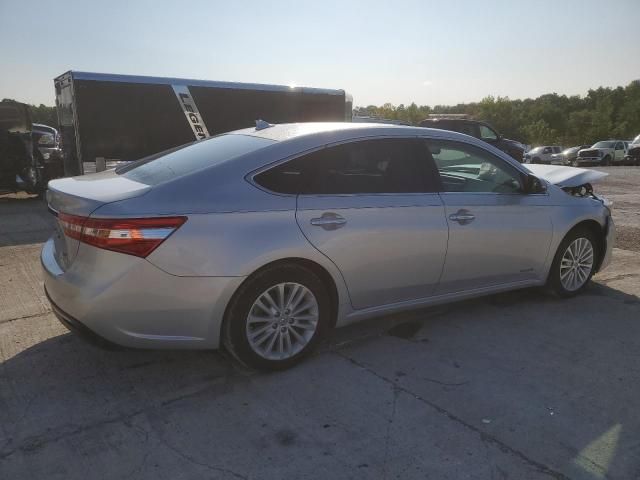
(606, 152)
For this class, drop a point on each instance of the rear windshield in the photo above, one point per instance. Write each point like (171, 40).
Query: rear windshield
(189, 158)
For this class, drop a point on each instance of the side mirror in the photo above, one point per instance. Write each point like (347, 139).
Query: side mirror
(533, 184)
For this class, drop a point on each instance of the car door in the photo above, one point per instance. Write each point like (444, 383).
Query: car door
(370, 207)
(498, 235)
(619, 152)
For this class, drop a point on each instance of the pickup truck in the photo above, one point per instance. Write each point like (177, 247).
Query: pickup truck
(606, 152)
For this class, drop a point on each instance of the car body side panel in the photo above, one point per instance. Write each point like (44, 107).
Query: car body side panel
(391, 247)
(508, 241)
(238, 244)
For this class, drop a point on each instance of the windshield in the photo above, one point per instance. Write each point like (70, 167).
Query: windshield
(604, 145)
(636, 141)
(535, 150)
(192, 157)
(571, 150)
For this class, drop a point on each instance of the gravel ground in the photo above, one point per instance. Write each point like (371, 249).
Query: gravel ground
(622, 187)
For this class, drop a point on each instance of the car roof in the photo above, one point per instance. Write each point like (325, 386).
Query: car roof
(288, 131)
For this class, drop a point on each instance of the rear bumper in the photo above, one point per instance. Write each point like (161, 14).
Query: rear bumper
(79, 328)
(124, 300)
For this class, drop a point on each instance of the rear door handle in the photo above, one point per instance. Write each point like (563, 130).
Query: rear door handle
(329, 221)
(463, 217)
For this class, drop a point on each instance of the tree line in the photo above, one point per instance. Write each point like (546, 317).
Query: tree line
(550, 119)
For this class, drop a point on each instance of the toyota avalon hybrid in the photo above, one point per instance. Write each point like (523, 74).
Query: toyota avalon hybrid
(263, 239)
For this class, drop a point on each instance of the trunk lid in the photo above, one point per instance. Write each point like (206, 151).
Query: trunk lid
(80, 196)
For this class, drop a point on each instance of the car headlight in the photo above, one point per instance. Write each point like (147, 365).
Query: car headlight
(47, 138)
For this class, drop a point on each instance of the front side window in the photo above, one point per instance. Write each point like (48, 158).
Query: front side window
(363, 167)
(487, 134)
(466, 168)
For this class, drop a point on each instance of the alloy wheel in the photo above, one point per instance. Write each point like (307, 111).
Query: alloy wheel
(576, 264)
(282, 321)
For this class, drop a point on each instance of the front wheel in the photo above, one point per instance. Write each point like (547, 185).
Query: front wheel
(574, 263)
(606, 161)
(277, 317)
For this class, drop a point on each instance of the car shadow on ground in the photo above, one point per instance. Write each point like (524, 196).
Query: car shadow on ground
(63, 388)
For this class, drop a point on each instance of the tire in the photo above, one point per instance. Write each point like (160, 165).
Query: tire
(560, 282)
(606, 161)
(273, 326)
(535, 160)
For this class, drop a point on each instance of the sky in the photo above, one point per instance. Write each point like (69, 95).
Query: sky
(401, 51)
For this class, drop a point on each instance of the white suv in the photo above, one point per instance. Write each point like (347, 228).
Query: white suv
(541, 154)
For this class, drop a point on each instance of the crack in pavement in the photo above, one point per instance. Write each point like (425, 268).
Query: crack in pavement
(25, 317)
(192, 460)
(485, 437)
(387, 437)
(36, 442)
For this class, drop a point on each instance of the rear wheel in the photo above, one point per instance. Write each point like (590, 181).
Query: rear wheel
(574, 263)
(277, 317)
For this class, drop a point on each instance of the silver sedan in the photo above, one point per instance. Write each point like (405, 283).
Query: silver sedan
(261, 240)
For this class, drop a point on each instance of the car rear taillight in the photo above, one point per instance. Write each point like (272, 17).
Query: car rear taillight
(133, 236)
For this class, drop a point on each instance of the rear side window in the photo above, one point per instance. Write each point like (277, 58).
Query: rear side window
(190, 158)
(364, 167)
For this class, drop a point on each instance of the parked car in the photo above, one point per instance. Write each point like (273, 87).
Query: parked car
(567, 156)
(19, 168)
(606, 152)
(633, 152)
(47, 141)
(263, 239)
(542, 154)
(478, 129)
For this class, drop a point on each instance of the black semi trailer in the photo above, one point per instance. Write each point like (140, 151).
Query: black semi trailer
(105, 117)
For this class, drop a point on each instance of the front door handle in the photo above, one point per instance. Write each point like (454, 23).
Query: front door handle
(329, 221)
(463, 217)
